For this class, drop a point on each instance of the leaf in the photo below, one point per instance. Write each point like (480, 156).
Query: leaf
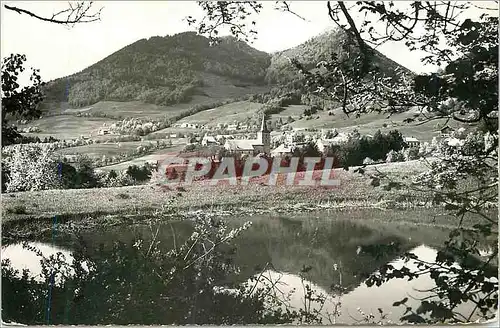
(413, 318)
(403, 301)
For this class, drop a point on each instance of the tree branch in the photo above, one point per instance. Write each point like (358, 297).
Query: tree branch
(78, 13)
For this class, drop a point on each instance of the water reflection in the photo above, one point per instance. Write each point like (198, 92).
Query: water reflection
(22, 258)
(127, 287)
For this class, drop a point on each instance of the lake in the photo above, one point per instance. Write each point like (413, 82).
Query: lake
(287, 258)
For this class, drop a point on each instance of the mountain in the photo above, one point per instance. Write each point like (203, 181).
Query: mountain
(313, 51)
(184, 67)
(163, 71)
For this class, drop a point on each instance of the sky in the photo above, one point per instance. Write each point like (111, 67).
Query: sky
(59, 51)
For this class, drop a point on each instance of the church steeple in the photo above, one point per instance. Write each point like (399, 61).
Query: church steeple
(263, 125)
(264, 136)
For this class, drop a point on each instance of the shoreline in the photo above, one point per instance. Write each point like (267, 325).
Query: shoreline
(354, 193)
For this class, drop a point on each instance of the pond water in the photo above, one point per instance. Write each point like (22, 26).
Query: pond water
(274, 250)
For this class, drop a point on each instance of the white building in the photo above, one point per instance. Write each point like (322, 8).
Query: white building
(103, 131)
(339, 139)
(232, 127)
(208, 141)
(412, 142)
(282, 150)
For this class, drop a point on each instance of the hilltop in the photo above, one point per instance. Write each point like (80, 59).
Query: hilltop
(185, 69)
(164, 71)
(314, 50)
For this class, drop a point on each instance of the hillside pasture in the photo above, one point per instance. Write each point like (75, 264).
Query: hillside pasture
(133, 109)
(291, 110)
(68, 126)
(101, 149)
(174, 129)
(155, 156)
(371, 122)
(238, 111)
(218, 87)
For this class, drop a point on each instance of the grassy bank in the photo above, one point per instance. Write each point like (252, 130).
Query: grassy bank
(354, 191)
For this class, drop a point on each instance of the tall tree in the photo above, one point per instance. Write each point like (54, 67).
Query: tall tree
(24, 102)
(18, 102)
(468, 49)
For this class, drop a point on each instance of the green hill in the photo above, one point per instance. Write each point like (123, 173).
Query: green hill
(311, 52)
(163, 71)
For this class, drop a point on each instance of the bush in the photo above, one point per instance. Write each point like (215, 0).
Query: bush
(17, 209)
(85, 176)
(394, 156)
(368, 161)
(139, 174)
(411, 154)
(31, 167)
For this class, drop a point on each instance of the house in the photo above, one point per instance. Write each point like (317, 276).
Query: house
(232, 127)
(454, 142)
(71, 158)
(339, 139)
(412, 142)
(208, 141)
(446, 131)
(103, 131)
(252, 146)
(187, 125)
(282, 150)
(240, 146)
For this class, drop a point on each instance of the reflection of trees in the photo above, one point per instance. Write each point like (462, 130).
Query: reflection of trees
(126, 286)
(290, 245)
(136, 282)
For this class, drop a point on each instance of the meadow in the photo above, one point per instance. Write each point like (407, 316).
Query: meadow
(112, 148)
(371, 122)
(234, 112)
(69, 126)
(141, 160)
(131, 109)
(355, 190)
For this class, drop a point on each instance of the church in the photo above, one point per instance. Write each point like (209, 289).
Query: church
(252, 146)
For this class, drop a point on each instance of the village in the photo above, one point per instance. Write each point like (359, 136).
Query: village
(239, 141)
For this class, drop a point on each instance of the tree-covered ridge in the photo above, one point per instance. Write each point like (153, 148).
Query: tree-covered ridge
(160, 70)
(315, 50)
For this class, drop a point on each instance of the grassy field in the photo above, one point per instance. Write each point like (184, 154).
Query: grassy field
(173, 129)
(133, 109)
(108, 149)
(354, 189)
(69, 126)
(354, 192)
(155, 156)
(218, 87)
(238, 111)
(371, 122)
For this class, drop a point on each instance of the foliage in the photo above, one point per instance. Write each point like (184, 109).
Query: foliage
(16, 102)
(175, 287)
(31, 167)
(394, 156)
(465, 91)
(358, 148)
(140, 174)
